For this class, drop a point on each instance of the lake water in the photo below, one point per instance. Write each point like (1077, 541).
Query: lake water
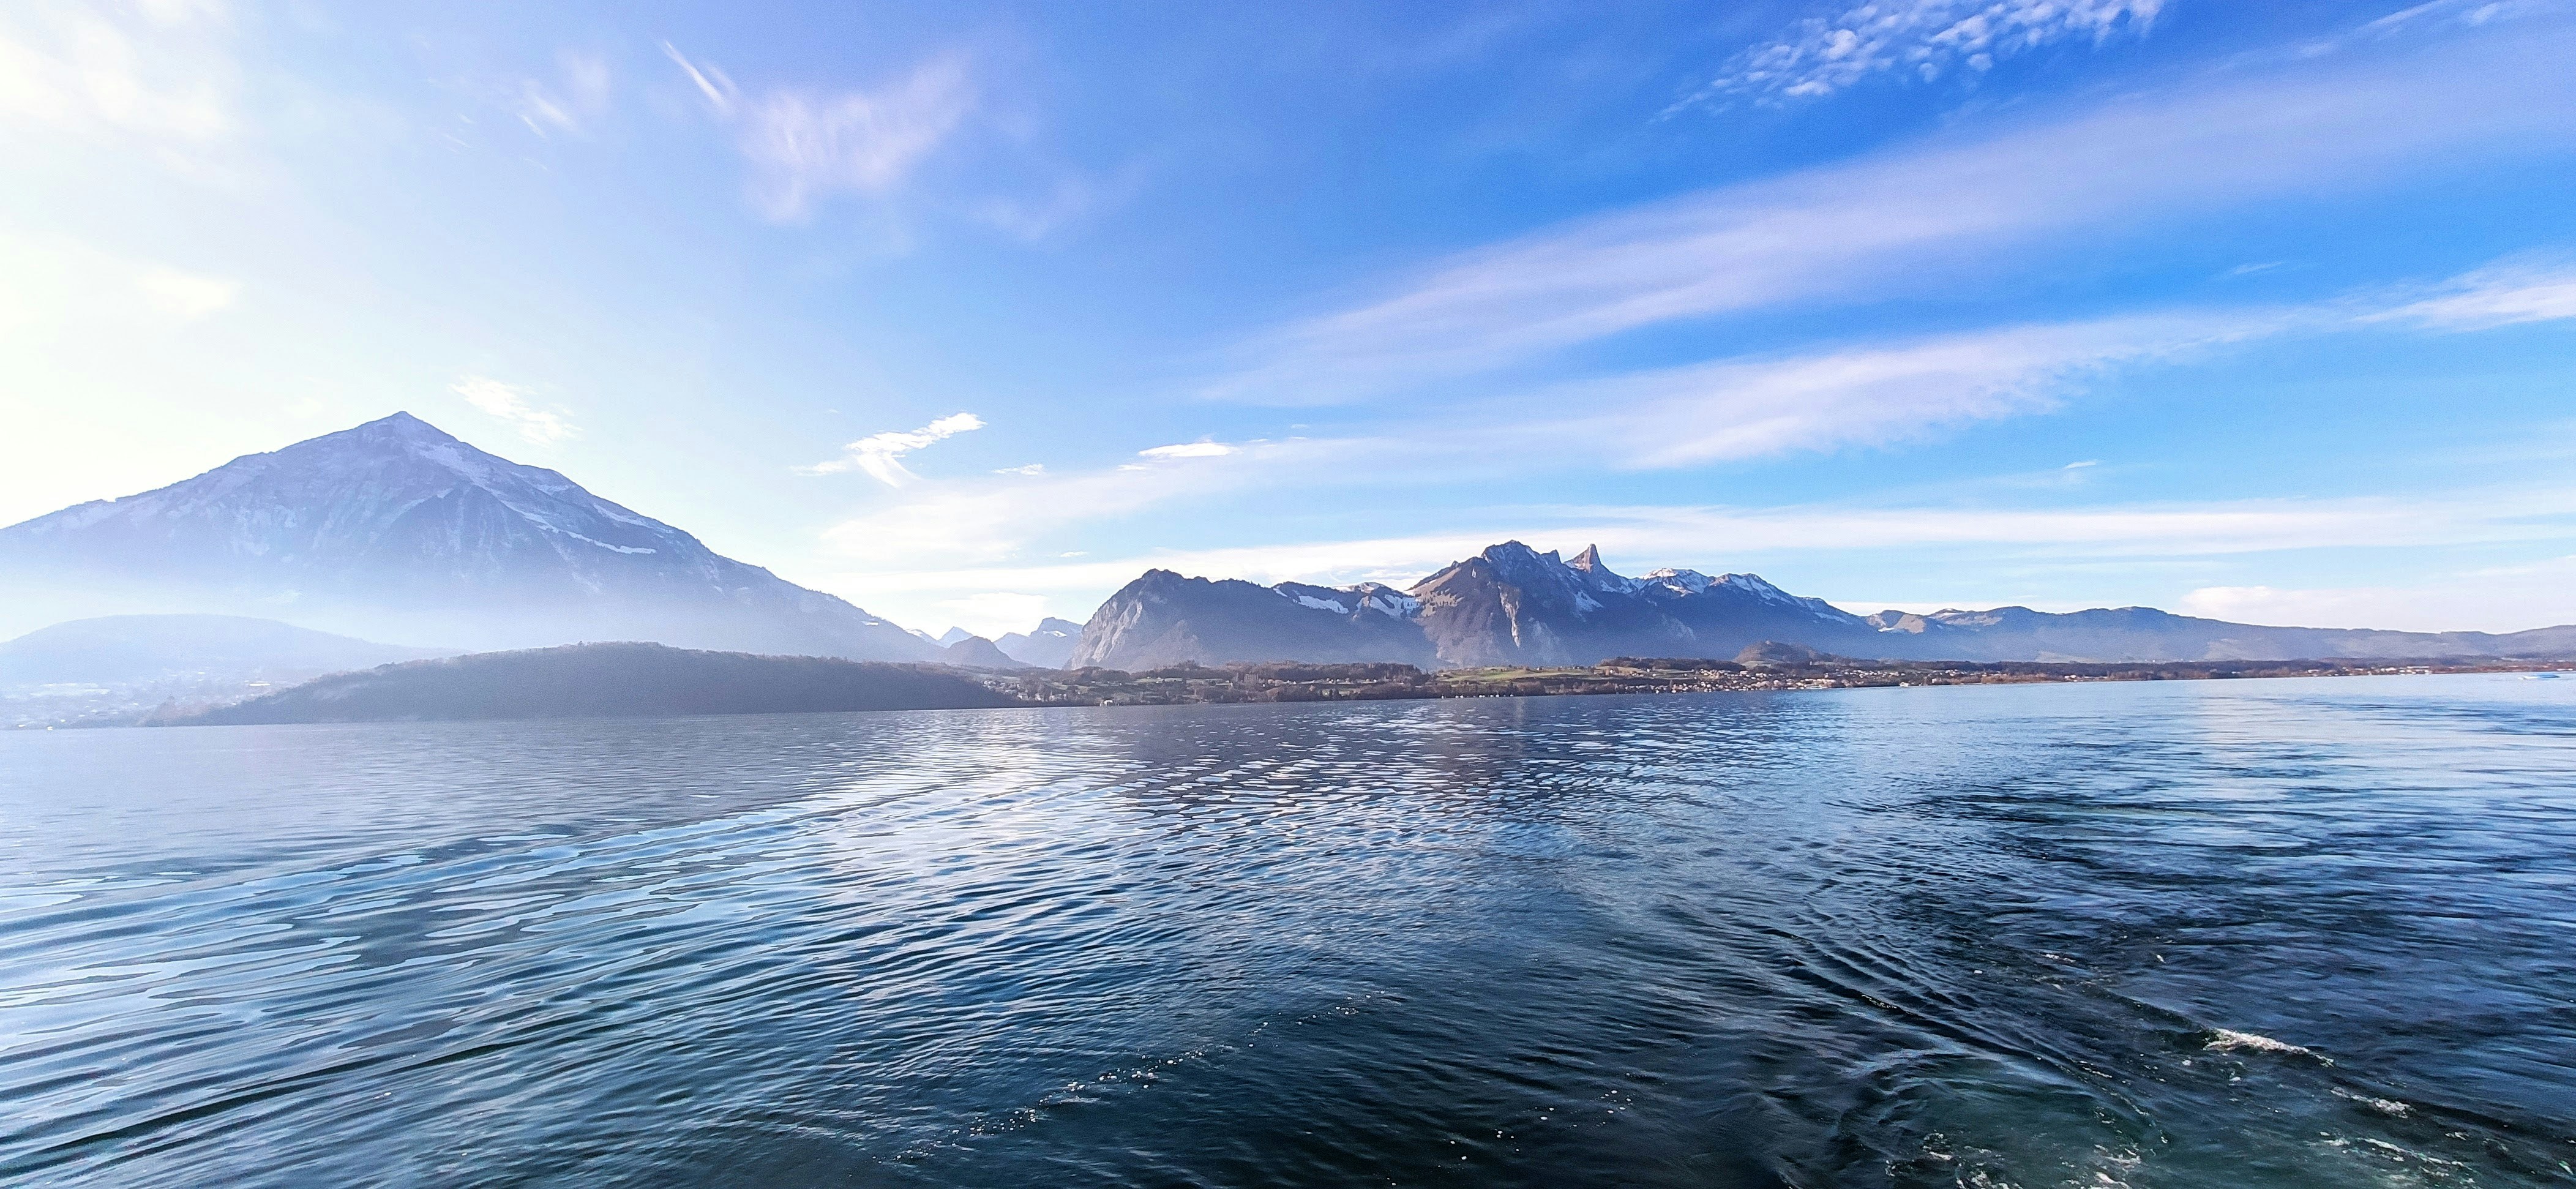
(2191, 934)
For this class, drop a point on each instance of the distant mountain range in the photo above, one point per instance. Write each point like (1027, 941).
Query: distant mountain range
(1048, 646)
(397, 530)
(1512, 605)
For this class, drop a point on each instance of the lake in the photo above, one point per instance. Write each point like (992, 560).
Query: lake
(2311, 932)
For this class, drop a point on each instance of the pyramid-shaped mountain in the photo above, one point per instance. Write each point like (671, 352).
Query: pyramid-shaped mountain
(397, 530)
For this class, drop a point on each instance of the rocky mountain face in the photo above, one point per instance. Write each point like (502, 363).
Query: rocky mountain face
(1512, 605)
(1165, 619)
(396, 530)
(1046, 646)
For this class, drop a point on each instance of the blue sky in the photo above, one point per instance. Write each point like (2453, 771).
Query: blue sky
(971, 313)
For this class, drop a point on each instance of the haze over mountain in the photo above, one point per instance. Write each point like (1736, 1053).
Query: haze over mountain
(1047, 646)
(123, 649)
(976, 652)
(607, 680)
(1512, 605)
(396, 530)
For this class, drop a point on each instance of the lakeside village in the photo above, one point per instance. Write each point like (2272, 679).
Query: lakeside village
(1766, 666)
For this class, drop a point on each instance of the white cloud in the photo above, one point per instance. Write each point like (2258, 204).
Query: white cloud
(580, 95)
(1921, 39)
(719, 90)
(510, 404)
(1908, 221)
(808, 146)
(2454, 12)
(1188, 450)
(70, 69)
(1861, 395)
(1715, 538)
(881, 455)
(2494, 599)
(805, 146)
(1867, 395)
(186, 296)
(989, 519)
(2493, 297)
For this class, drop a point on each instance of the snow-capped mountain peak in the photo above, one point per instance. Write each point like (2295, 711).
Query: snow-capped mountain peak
(1348, 600)
(397, 529)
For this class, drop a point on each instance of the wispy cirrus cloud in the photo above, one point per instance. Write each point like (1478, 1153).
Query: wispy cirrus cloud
(990, 518)
(568, 103)
(510, 404)
(185, 295)
(2498, 296)
(1723, 537)
(805, 146)
(1917, 39)
(2504, 598)
(881, 455)
(1863, 395)
(1874, 394)
(1882, 393)
(167, 79)
(1909, 221)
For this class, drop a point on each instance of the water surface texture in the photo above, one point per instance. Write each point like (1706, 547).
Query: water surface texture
(2253, 933)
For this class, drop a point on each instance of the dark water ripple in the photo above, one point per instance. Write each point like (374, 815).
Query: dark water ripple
(2194, 934)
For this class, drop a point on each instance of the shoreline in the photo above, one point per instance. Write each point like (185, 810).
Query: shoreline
(1290, 683)
(1257, 683)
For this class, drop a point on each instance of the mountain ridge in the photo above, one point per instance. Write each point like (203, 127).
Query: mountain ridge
(397, 529)
(1511, 605)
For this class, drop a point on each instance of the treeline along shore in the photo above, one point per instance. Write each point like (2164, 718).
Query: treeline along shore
(1763, 667)
(651, 680)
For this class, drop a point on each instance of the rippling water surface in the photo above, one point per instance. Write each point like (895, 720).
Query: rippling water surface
(2196, 934)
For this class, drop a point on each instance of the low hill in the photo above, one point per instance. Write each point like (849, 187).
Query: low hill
(607, 681)
(976, 652)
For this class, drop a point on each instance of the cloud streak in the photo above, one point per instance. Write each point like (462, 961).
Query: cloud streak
(2493, 297)
(185, 295)
(1873, 394)
(1720, 537)
(510, 404)
(569, 106)
(1861, 395)
(2504, 598)
(71, 70)
(806, 146)
(989, 519)
(1906, 222)
(881, 455)
(1922, 40)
